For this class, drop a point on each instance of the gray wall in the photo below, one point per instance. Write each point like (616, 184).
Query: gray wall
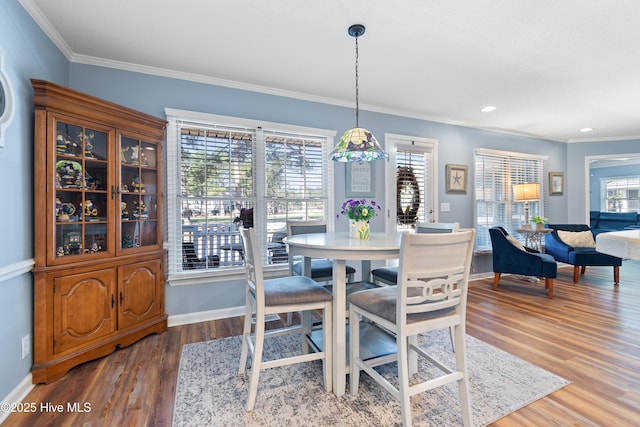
(29, 53)
(152, 94)
(455, 145)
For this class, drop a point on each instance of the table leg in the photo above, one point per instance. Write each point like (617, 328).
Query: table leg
(339, 327)
(366, 270)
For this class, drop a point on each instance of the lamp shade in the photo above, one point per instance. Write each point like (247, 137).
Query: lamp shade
(358, 145)
(526, 192)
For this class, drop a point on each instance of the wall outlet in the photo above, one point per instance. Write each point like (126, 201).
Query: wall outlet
(26, 346)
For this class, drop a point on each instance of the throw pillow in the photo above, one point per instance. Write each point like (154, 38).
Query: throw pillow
(515, 243)
(577, 239)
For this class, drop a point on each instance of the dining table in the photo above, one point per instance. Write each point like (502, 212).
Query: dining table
(341, 247)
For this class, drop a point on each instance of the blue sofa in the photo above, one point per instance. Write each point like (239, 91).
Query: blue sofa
(602, 222)
(579, 257)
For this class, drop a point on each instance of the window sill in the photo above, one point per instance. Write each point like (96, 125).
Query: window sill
(221, 275)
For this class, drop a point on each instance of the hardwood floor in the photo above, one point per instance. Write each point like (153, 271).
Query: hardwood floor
(589, 334)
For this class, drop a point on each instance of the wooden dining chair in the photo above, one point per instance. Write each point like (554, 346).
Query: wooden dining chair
(280, 295)
(389, 275)
(431, 294)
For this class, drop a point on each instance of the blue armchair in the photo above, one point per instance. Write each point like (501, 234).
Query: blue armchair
(579, 257)
(509, 256)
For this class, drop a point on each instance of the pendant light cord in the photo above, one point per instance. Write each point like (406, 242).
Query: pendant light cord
(357, 86)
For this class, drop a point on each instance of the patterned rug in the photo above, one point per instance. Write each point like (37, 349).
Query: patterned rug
(210, 392)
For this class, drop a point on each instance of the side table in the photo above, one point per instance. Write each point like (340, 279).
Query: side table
(534, 237)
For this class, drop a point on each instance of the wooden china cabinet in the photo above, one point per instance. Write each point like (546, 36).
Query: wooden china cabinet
(99, 263)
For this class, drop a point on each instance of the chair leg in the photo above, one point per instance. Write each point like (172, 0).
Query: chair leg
(616, 274)
(496, 279)
(576, 271)
(306, 323)
(256, 361)
(246, 335)
(452, 336)
(354, 350)
(463, 384)
(548, 283)
(403, 379)
(327, 327)
(413, 355)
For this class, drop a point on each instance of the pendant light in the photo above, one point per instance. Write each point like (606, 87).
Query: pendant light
(357, 144)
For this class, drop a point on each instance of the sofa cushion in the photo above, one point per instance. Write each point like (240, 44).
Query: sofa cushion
(577, 239)
(515, 242)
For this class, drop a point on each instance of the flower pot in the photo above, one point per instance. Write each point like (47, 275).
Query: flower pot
(359, 229)
(539, 226)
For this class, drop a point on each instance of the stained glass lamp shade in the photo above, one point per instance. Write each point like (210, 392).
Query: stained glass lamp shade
(358, 145)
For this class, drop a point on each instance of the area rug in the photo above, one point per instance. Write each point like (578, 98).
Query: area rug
(209, 391)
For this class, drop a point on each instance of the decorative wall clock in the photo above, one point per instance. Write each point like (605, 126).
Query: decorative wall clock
(6, 100)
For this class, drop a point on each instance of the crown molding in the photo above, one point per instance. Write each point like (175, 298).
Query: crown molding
(47, 27)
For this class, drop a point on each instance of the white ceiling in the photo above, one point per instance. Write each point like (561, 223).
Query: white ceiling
(551, 67)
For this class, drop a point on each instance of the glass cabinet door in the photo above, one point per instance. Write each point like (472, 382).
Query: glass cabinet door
(81, 190)
(138, 194)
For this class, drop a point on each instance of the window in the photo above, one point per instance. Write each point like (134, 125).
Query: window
(223, 172)
(495, 174)
(411, 175)
(620, 194)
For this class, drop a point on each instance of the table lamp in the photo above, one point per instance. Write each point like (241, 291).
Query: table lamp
(526, 192)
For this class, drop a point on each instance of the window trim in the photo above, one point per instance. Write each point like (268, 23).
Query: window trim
(172, 220)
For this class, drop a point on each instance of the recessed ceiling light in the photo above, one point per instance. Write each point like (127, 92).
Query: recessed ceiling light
(586, 130)
(488, 109)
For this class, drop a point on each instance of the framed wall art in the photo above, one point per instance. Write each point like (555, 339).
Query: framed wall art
(456, 179)
(360, 179)
(556, 183)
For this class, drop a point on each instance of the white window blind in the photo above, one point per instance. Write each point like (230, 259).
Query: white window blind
(495, 174)
(295, 176)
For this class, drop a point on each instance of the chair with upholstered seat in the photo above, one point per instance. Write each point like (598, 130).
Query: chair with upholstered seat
(321, 269)
(510, 256)
(431, 294)
(389, 275)
(280, 295)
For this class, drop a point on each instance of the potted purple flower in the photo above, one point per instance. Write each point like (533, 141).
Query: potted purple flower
(360, 213)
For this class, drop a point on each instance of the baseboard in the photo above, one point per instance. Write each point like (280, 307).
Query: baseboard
(478, 276)
(17, 394)
(204, 316)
